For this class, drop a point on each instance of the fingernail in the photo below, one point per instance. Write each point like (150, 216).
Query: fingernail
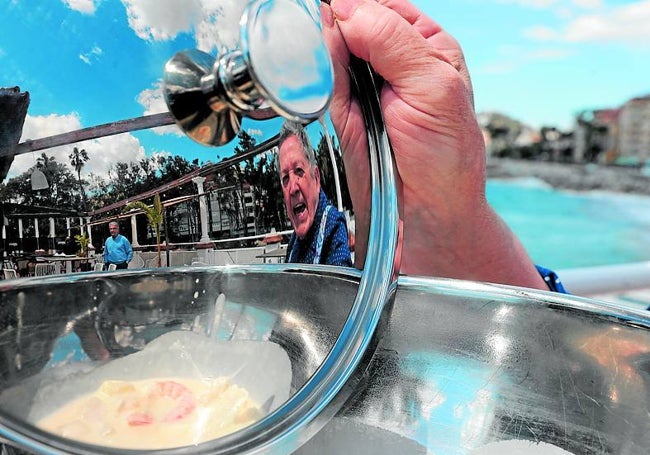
(344, 9)
(327, 16)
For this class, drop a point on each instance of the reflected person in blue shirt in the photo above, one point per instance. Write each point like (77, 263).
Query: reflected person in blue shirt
(117, 248)
(320, 233)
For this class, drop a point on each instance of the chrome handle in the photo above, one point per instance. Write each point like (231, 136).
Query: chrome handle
(208, 96)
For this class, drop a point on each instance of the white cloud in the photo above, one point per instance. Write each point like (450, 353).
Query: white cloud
(547, 4)
(159, 20)
(497, 68)
(83, 6)
(92, 55)
(624, 24)
(550, 54)
(153, 102)
(36, 127)
(103, 152)
(541, 4)
(627, 24)
(510, 58)
(588, 4)
(541, 33)
(213, 22)
(218, 27)
(564, 13)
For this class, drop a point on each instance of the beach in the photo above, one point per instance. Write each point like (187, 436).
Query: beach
(568, 176)
(570, 224)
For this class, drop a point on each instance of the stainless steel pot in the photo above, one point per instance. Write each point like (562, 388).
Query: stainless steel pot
(378, 365)
(452, 367)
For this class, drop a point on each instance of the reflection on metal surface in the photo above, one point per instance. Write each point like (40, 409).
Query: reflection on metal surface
(74, 318)
(38, 180)
(451, 375)
(292, 69)
(304, 95)
(208, 96)
(196, 108)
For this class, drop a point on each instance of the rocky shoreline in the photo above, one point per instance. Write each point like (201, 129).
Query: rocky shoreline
(578, 177)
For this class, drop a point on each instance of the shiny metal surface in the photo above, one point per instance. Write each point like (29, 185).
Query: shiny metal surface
(269, 67)
(291, 94)
(195, 103)
(287, 58)
(457, 365)
(52, 324)
(461, 365)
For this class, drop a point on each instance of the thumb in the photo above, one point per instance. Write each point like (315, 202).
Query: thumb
(382, 37)
(403, 45)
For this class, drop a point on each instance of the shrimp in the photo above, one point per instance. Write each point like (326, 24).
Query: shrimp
(181, 395)
(139, 418)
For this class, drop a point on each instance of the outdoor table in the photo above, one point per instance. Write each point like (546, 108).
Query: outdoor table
(69, 260)
(279, 254)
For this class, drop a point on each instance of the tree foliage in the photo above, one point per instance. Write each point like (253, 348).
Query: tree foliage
(155, 214)
(78, 159)
(327, 169)
(256, 175)
(61, 191)
(129, 179)
(125, 180)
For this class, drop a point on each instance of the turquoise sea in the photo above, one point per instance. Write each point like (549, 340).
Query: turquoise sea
(563, 229)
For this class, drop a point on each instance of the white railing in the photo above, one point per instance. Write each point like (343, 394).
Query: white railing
(210, 256)
(607, 279)
(582, 281)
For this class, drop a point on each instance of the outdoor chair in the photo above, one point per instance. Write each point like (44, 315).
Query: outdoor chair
(44, 269)
(10, 274)
(153, 262)
(112, 267)
(137, 262)
(98, 267)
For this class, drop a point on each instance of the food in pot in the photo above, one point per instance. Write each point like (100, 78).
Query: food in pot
(155, 413)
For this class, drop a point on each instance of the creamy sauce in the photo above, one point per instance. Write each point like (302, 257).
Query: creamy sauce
(155, 413)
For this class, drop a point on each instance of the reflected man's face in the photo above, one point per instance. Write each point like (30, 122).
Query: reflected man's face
(300, 185)
(114, 230)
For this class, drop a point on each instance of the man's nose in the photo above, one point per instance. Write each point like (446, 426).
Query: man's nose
(293, 183)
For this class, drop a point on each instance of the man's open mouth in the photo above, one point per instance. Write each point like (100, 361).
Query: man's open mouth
(299, 208)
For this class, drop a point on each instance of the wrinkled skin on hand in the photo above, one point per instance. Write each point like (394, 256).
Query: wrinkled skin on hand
(449, 229)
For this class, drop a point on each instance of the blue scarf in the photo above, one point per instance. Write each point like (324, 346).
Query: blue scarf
(327, 230)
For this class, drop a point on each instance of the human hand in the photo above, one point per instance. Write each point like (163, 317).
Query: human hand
(449, 229)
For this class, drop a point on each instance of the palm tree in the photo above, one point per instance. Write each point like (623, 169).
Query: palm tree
(77, 160)
(154, 217)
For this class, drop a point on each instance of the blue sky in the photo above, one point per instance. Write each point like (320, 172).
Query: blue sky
(88, 62)
(543, 61)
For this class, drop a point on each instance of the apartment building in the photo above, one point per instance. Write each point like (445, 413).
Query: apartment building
(596, 136)
(634, 130)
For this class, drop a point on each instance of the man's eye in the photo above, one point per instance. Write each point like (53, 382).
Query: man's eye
(285, 180)
(299, 172)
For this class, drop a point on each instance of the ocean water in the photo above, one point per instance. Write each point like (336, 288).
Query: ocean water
(564, 229)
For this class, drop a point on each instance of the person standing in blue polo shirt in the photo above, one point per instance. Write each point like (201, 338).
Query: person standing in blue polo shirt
(117, 248)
